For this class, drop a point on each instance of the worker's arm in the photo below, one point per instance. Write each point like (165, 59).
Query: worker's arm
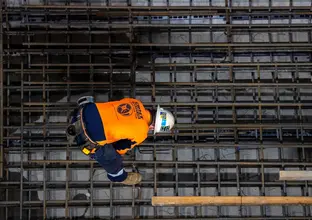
(129, 136)
(123, 144)
(138, 134)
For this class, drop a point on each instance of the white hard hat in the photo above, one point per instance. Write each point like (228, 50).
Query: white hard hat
(164, 120)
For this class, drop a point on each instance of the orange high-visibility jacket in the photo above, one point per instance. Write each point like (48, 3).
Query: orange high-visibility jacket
(109, 122)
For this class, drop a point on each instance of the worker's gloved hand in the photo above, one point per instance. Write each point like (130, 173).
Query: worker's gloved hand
(123, 144)
(92, 157)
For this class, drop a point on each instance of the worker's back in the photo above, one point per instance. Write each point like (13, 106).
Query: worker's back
(124, 119)
(105, 131)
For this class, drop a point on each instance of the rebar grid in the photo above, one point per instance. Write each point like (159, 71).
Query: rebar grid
(236, 75)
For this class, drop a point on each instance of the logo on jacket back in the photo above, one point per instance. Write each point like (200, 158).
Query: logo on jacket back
(124, 109)
(138, 110)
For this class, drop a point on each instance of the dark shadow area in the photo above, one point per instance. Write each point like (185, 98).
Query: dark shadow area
(13, 193)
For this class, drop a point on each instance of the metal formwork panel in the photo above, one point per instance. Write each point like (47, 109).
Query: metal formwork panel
(236, 75)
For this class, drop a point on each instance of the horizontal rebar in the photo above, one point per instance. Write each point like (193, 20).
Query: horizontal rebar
(165, 8)
(104, 25)
(55, 185)
(180, 127)
(164, 163)
(62, 145)
(197, 84)
(225, 45)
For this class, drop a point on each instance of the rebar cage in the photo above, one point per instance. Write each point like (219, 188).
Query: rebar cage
(235, 73)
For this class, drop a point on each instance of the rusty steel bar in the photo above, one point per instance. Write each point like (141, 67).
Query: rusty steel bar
(235, 64)
(242, 64)
(165, 8)
(22, 143)
(164, 162)
(104, 25)
(244, 45)
(175, 28)
(1, 93)
(147, 145)
(189, 126)
(199, 104)
(84, 184)
(201, 68)
(168, 12)
(191, 84)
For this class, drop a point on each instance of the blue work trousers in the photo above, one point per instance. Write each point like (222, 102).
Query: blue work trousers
(111, 161)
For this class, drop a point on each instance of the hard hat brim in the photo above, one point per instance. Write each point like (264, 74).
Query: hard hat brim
(157, 121)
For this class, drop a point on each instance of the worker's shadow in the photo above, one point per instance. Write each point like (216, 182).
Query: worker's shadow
(116, 96)
(11, 192)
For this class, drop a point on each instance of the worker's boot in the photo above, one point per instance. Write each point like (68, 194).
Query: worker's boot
(132, 179)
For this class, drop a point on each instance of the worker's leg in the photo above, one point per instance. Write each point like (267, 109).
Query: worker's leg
(111, 161)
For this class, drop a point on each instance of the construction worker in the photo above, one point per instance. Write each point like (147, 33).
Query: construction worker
(106, 131)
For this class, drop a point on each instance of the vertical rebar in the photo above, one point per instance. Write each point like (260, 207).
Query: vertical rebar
(173, 97)
(68, 113)
(132, 91)
(6, 173)
(91, 191)
(45, 157)
(153, 99)
(111, 202)
(1, 92)
(132, 55)
(110, 93)
(22, 143)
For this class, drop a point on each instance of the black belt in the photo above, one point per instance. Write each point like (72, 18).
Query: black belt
(76, 133)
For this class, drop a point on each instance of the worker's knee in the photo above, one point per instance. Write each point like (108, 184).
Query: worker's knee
(109, 159)
(106, 153)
